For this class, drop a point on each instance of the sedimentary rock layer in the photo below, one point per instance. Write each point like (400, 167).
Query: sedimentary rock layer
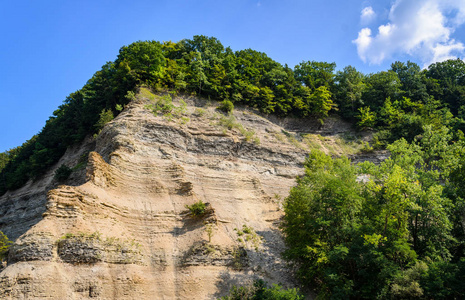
(120, 228)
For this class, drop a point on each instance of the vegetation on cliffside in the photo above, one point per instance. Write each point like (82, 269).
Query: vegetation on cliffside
(354, 231)
(397, 102)
(5, 243)
(260, 290)
(393, 230)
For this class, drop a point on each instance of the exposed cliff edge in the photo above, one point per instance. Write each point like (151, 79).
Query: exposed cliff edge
(119, 228)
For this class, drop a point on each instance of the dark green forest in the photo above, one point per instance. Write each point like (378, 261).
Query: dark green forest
(394, 230)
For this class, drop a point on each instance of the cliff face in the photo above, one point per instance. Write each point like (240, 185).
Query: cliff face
(119, 229)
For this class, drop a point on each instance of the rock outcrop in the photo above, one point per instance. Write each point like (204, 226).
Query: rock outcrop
(119, 229)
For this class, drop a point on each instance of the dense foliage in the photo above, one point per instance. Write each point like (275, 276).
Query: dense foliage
(260, 290)
(396, 102)
(393, 230)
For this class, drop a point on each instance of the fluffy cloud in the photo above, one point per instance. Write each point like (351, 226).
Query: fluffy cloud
(367, 15)
(420, 28)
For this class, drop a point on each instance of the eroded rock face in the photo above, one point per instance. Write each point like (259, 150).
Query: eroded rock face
(23, 208)
(30, 247)
(120, 229)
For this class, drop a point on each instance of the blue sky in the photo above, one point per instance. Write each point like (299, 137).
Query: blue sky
(50, 48)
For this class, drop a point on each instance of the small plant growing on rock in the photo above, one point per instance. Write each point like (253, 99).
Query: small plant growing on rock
(239, 259)
(67, 236)
(82, 235)
(226, 106)
(130, 95)
(106, 115)
(199, 112)
(164, 105)
(210, 230)
(210, 249)
(184, 120)
(62, 173)
(197, 209)
(279, 201)
(82, 162)
(366, 148)
(228, 122)
(249, 234)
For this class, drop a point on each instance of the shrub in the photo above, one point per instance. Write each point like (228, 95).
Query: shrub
(366, 117)
(5, 243)
(226, 106)
(164, 105)
(82, 162)
(119, 107)
(249, 234)
(228, 122)
(106, 115)
(130, 95)
(197, 209)
(200, 112)
(62, 173)
(261, 291)
(210, 230)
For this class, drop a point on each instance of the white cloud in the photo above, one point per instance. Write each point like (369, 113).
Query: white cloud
(420, 28)
(367, 15)
(443, 52)
(363, 43)
(386, 30)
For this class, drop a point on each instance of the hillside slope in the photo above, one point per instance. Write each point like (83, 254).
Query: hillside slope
(119, 229)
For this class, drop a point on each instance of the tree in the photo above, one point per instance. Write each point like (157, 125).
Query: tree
(5, 243)
(106, 116)
(314, 74)
(448, 82)
(379, 87)
(285, 92)
(348, 91)
(321, 103)
(209, 47)
(354, 238)
(412, 80)
(265, 101)
(145, 60)
(197, 75)
(366, 117)
(320, 215)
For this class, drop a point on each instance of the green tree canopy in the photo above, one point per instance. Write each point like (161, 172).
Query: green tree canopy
(349, 90)
(375, 231)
